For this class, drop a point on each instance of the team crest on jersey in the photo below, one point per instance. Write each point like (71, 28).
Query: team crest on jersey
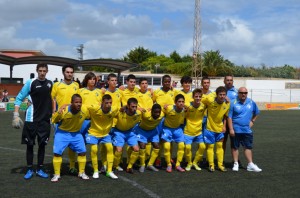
(49, 85)
(249, 106)
(97, 94)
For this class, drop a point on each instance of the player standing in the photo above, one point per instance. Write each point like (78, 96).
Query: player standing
(217, 110)
(172, 132)
(37, 119)
(99, 133)
(193, 130)
(62, 93)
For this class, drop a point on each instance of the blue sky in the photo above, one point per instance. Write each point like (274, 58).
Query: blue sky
(246, 32)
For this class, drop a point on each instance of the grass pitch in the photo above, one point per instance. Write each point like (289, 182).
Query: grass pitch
(276, 146)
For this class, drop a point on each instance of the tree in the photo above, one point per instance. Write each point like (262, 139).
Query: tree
(213, 63)
(163, 61)
(139, 55)
(175, 56)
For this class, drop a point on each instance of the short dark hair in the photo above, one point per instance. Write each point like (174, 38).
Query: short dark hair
(228, 75)
(142, 79)
(165, 76)
(205, 78)
(186, 79)
(75, 96)
(156, 106)
(67, 66)
(41, 65)
(132, 100)
(130, 76)
(179, 96)
(197, 90)
(221, 89)
(106, 97)
(111, 75)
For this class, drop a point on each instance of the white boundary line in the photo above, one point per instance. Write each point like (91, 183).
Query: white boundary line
(133, 183)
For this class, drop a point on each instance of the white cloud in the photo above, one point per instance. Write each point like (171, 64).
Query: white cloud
(245, 32)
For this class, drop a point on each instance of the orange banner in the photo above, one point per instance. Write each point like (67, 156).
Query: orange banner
(282, 106)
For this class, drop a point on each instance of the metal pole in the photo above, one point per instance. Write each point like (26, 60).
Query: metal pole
(271, 96)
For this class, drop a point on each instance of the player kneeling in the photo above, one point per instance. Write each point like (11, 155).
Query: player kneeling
(68, 133)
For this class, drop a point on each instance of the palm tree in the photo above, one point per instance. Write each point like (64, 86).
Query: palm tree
(214, 63)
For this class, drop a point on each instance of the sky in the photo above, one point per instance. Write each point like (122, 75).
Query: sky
(249, 33)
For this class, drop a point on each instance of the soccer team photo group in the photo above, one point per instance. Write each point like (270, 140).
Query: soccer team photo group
(147, 124)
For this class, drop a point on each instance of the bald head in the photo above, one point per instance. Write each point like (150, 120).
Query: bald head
(243, 92)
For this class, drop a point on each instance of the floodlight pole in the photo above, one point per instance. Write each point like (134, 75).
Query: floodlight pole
(80, 51)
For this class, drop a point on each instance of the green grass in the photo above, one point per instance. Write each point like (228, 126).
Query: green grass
(276, 147)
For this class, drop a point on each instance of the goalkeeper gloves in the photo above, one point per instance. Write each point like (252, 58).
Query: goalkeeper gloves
(17, 121)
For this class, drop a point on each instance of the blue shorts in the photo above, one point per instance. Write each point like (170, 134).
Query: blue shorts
(245, 139)
(172, 135)
(147, 136)
(190, 139)
(119, 138)
(63, 139)
(90, 139)
(212, 137)
(160, 126)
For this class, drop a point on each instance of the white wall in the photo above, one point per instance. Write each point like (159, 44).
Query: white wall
(23, 71)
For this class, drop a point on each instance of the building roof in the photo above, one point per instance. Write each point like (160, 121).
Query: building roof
(21, 53)
(117, 65)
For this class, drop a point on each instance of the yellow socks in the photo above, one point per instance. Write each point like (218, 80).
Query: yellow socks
(188, 154)
(110, 156)
(129, 151)
(103, 154)
(167, 148)
(180, 153)
(142, 156)
(94, 157)
(210, 154)
(148, 150)
(199, 153)
(72, 158)
(81, 163)
(220, 153)
(57, 164)
(153, 157)
(117, 158)
(133, 157)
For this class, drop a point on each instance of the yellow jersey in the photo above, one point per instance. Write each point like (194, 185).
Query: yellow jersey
(148, 122)
(173, 119)
(194, 118)
(90, 97)
(145, 100)
(70, 122)
(116, 97)
(126, 94)
(215, 114)
(188, 96)
(126, 122)
(164, 98)
(63, 92)
(101, 123)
